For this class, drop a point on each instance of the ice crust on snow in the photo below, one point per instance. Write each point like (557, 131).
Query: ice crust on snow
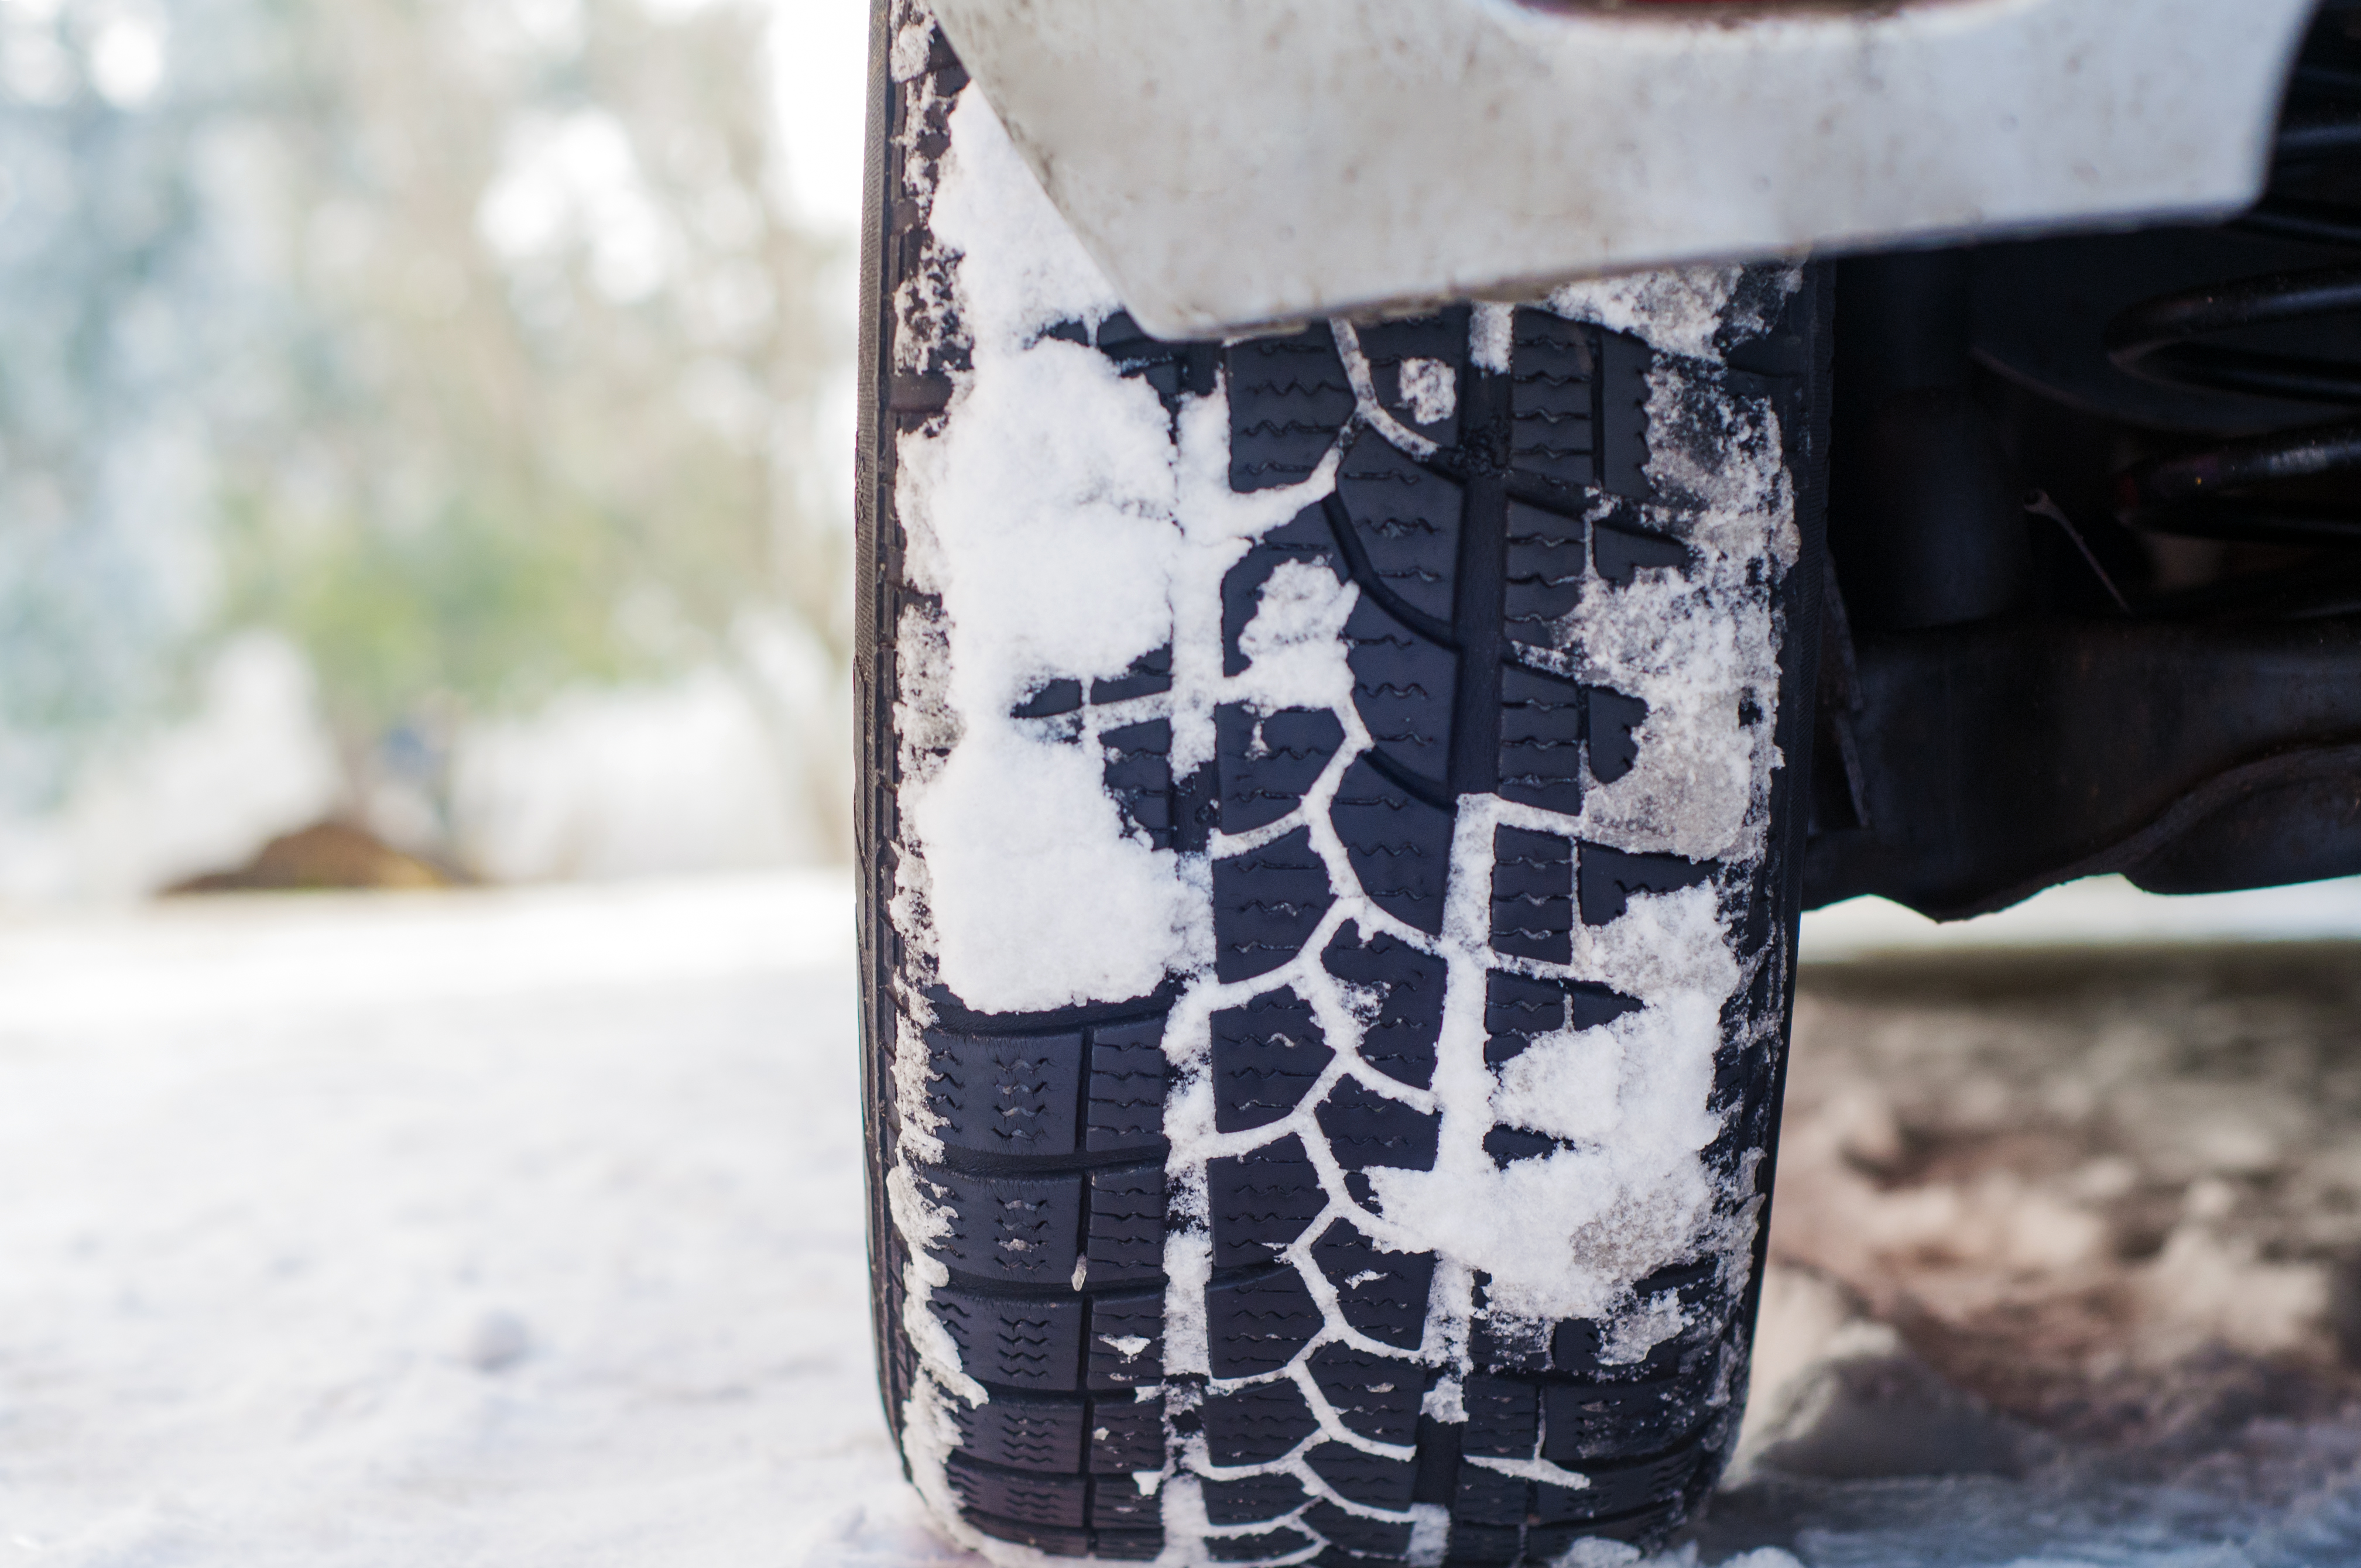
(1066, 524)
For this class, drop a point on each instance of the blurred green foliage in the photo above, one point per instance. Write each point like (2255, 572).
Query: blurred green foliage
(470, 343)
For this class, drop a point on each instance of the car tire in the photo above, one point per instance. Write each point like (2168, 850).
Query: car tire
(1330, 838)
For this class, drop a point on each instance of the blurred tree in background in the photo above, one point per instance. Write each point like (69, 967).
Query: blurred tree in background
(470, 343)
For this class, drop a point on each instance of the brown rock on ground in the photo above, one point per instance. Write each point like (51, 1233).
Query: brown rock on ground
(330, 854)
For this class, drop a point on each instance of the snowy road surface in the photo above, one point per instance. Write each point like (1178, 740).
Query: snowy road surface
(525, 1228)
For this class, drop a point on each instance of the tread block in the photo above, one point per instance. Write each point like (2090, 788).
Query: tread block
(1363, 1128)
(1288, 401)
(1376, 1396)
(1368, 1479)
(1399, 1041)
(1621, 438)
(1486, 1496)
(1547, 562)
(1518, 1011)
(1621, 552)
(1610, 728)
(1356, 1533)
(1266, 1056)
(1258, 1322)
(1440, 337)
(1126, 1095)
(1126, 1435)
(1008, 1094)
(1251, 1498)
(1407, 522)
(1619, 1489)
(1129, 1545)
(1050, 699)
(1503, 1418)
(1021, 1228)
(1015, 1344)
(1552, 366)
(1257, 1547)
(1381, 1294)
(1607, 1421)
(1117, 1502)
(1256, 1425)
(1171, 368)
(1306, 537)
(1151, 675)
(1609, 879)
(1261, 1200)
(1574, 1346)
(1403, 687)
(1486, 1545)
(1399, 846)
(1503, 1342)
(1138, 773)
(1055, 1540)
(1268, 762)
(1125, 1242)
(1127, 1340)
(1541, 740)
(1042, 1435)
(1507, 1146)
(1196, 809)
(1267, 903)
(1017, 1494)
(1533, 895)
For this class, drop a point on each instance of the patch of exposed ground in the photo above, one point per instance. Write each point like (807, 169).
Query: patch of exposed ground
(2114, 1195)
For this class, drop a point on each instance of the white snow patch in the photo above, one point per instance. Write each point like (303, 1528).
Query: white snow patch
(1048, 502)
(1492, 337)
(1676, 310)
(1532, 1470)
(1294, 643)
(1567, 1235)
(1041, 899)
(1638, 1331)
(1598, 1552)
(1430, 1535)
(1699, 647)
(1021, 268)
(1431, 387)
(913, 42)
(1042, 511)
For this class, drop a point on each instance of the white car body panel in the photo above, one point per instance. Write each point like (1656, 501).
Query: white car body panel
(1238, 163)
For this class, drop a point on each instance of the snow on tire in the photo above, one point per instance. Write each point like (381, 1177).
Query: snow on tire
(1331, 855)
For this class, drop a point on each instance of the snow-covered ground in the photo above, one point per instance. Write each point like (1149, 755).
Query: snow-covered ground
(524, 1227)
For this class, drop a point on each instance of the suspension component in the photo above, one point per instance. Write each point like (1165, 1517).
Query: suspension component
(2274, 487)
